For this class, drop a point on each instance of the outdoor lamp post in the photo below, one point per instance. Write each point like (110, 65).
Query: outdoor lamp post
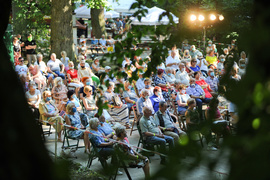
(201, 18)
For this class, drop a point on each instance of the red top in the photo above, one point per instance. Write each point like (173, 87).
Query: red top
(74, 74)
(206, 90)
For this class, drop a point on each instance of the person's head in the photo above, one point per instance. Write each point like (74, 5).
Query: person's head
(197, 75)
(71, 108)
(107, 69)
(226, 51)
(141, 75)
(186, 52)
(81, 57)
(29, 37)
(222, 58)
(182, 66)
(177, 83)
(191, 103)
(71, 94)
(173, 53)
(82, 64)
(103, 36)
(193, 62)
(182, 89)
(15, 40)
(174, 47)
(53, 56)
(47, 96)
(58, 81)
(243, 55)
(160, 72)
(94, 37)
(185, 42)
(192, 82)
(117, 19)
(157, 91)
(32, 85)
(19, 36)
(233, 42)
(111, 86)
(209, 43)
(109, 37)
(147, 111)
(145, 94)
(21, 60)
(120, 131)
(30, 67)
(168, 71)
(234, 71)
(101, 119)
(88, 90)
(163, 106)
(211, 73)
(192, 48)
(96, 61)
(71, 65)
(64, 54)
(127, 85)
(242, 63)
(93, 123)
(39, 57)
(86, 81)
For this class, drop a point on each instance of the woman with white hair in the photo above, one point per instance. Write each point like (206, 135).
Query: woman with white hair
(73, 119)
(33, 97)
(59, 92)
(104, 146)
(169, 76)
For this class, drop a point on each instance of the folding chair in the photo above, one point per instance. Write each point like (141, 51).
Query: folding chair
(66, 140)
(181, 122)
(136, 119)
(95, 154)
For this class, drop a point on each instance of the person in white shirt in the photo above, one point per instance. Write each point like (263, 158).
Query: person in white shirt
(81, 58)
(169, 76)
(220, 65)
(174, 48)
(204, 64)
(182, 75)
(148, 87)
(173, 61)
(21, 69)
(103, 43)
(242, 67)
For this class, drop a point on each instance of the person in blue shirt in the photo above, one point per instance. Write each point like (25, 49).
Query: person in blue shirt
(156, 98)
(105, 128)
(94, 45)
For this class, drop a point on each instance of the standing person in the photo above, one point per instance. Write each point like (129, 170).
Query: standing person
(64, 59)
(56, 67)
(30, 46)
(119, 25)
(16, 50)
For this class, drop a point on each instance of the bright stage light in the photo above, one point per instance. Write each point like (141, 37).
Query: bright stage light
(213, 17)
(193, 17)
(201, 17)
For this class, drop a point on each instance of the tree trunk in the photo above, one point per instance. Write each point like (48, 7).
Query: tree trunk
(98, 22)
(61, 28)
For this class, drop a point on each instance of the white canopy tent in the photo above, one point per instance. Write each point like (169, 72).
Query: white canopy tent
(152, 18)
(122, 6)
(84, 12)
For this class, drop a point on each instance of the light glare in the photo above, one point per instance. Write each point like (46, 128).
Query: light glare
(201, 18)
(213, 17)
(193, 17)
(221, 17)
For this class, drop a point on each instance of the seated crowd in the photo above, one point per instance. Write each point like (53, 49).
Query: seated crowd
(184, 83)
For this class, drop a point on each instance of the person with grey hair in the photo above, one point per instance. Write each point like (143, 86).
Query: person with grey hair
(104, 146)
(182, 74)
(153, 134)
(73, 119)
(164, 120)
(130, 156)
(169, 76)
(144, 101)
(56, 67)
(117, 109)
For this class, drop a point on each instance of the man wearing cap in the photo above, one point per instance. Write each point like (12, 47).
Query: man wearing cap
(21, 68)
(30, 46)
(56, 67)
